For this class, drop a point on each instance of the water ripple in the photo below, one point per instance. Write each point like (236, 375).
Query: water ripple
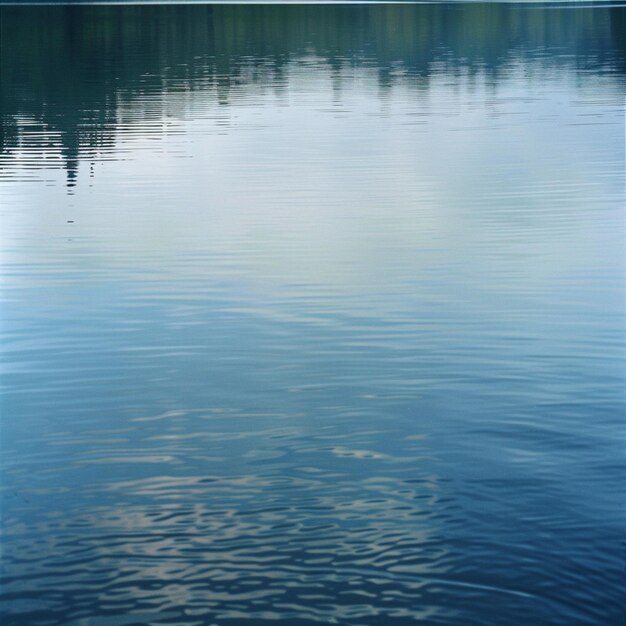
(312, 314)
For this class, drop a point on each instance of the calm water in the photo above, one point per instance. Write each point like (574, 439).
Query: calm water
(312, 315)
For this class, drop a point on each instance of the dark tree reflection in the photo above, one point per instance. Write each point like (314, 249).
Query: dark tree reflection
(71, 68)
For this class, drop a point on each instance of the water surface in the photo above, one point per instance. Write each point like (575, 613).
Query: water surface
(312, 315)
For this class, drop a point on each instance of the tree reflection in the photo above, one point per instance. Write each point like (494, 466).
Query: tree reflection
(72, 69)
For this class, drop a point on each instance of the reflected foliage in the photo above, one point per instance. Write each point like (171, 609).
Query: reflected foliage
(71, 69)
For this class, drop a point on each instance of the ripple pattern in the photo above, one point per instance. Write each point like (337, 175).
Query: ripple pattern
(312, 315)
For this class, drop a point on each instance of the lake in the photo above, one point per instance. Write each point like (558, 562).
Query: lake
(313, 314)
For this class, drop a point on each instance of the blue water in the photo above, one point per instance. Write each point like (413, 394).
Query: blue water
(312, 315)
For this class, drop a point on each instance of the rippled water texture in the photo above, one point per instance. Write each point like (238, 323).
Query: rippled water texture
(312, 315)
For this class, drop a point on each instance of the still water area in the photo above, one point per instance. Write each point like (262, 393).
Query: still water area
(312, 315)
